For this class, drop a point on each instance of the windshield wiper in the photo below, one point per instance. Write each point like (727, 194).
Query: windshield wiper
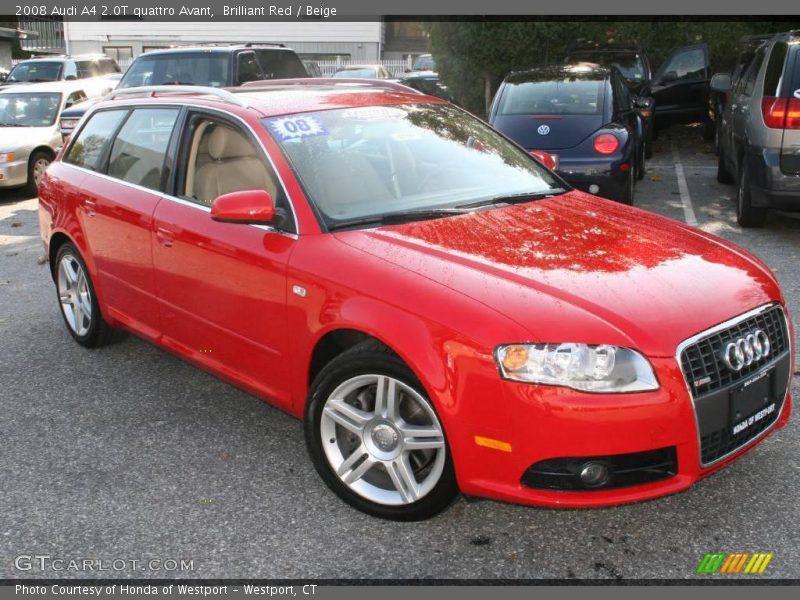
(397, 217)
(12, 125)
(514, 198)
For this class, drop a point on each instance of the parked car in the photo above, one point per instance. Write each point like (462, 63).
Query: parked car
(424, 62)
(427, 82)
(29, 129)
(760, 131)
(442, 312)
(363, 72)
(213, 65)
(61, 68)
(581, 114)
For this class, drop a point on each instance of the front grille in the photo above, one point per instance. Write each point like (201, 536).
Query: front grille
(702, 363)
(715, 387)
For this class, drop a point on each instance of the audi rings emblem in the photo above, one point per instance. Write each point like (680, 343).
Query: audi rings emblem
(746, 350)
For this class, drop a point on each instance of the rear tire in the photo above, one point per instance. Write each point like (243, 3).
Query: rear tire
(722, 172)
(37, 165)
(747, 215)
(627, 193)
(78, 300)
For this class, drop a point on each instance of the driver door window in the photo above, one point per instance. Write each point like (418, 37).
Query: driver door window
(687, 65)
(222, 159)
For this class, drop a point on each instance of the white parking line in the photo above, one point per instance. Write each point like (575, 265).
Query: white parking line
(683, 188)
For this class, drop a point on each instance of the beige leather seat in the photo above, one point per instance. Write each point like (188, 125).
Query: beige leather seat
(234, 166)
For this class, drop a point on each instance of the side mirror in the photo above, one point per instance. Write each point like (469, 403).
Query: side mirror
(254, 207)
(721, 82)
(669, 77)
(643, 102)
(3, 77)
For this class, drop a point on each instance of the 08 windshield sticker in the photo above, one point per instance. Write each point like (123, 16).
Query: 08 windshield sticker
(289, 128)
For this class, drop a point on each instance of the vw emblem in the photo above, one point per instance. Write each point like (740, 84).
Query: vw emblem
(543, 129)
(746, 350)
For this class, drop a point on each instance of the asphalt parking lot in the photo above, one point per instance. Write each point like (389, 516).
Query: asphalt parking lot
(129, 453)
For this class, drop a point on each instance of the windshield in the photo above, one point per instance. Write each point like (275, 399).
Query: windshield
(27, 72)
(565, 97)
(630, 64)
(366, 72)
(365, 162)
(196, 68)
(29, 110)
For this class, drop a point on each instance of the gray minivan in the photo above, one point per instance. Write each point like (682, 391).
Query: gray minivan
(760, 131)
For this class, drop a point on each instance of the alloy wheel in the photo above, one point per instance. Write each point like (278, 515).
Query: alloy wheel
(382, 439)
(74, 294)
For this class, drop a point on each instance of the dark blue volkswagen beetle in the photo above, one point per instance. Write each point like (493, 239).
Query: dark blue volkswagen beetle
(580, 118)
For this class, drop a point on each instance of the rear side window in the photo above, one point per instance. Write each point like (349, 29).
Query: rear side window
(774, 72)
(137, 155)
(248, 67)
(281, 64)
(748, 81)
(89, 148)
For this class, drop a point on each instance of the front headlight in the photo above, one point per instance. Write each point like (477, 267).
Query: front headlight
(588, 368)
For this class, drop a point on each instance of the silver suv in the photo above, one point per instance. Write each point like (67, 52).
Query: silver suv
(760, 131)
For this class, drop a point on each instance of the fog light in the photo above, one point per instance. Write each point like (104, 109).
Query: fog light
(593, 189)
(593, 474)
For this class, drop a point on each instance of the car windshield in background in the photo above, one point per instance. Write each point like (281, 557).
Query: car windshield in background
(424, 63)
(629, 64)
(201, 68)
(565, 97)
(30, 72)
(384, 160)
(358, 73)
(28, 110)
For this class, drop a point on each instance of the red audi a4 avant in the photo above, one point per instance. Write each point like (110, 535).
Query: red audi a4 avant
(443, 312)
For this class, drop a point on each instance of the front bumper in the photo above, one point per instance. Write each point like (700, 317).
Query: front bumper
(14, 174)
(551, 422)
(604, 173)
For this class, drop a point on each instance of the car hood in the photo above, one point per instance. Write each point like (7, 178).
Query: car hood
(23, 137)
(592, 270)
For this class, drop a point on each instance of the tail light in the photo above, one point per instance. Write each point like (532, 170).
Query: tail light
(547, 159)
(606, 143)
(781, 113)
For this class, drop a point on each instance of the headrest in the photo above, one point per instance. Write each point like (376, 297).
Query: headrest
(225, 143)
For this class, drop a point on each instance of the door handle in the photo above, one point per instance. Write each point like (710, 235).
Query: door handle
(90, 206)
(165, 237)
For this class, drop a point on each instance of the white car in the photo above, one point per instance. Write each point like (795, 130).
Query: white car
(29, 127)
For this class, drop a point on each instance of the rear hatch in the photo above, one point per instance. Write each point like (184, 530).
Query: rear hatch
(790, 148)
(551, 115)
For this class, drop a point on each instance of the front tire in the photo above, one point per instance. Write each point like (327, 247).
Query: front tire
(78, 300)
(627, 194)
(747, 215)
(37, 165)
(375, 438)
(723, 176)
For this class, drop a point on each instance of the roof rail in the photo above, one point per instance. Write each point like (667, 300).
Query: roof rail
(350, 82)
(257, 44)
(197, 90)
